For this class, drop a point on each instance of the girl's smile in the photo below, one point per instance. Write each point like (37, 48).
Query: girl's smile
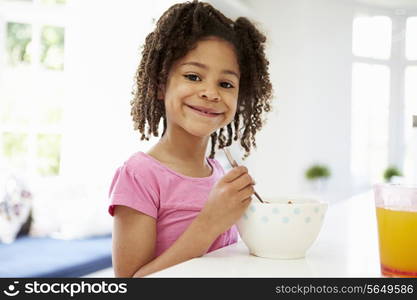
(207, 112)
(202, 88)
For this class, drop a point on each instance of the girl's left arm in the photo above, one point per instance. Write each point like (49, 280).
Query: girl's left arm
(194, 242)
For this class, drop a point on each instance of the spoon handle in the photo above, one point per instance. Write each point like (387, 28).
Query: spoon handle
(233, 163)
(257, 196)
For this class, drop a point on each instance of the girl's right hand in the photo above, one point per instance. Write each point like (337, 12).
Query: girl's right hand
(228, 199)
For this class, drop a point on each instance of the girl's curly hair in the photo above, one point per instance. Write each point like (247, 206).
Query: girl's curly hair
(177, 32)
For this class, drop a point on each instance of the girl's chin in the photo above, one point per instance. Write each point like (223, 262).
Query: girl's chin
(200, 132)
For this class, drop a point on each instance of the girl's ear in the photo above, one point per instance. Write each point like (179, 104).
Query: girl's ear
(161, 92)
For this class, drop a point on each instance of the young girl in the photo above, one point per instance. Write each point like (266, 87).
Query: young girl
(200, 73)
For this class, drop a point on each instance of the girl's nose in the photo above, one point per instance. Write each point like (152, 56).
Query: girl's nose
(210, 93)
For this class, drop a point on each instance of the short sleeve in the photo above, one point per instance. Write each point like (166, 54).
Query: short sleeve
(133, 190)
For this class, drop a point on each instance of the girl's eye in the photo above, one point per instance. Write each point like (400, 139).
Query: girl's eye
(192, 77)
(226, 85)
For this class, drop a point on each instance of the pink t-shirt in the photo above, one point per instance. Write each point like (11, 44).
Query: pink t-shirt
(174, 200)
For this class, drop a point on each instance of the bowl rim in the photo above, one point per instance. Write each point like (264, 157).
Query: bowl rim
(321, 203)
(283, 200)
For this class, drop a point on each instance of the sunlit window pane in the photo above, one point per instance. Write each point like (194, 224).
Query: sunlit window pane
(31, 110)
(17, 104)
(19, 37)
(411, 38)
(410, 161)
(15, 149)
(372, 37)
(370, 115)
(53, 1)
(14, 144)
(52, 55)
(48, 154)
(50, 100)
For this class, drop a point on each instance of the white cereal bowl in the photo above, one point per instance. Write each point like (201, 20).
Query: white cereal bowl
(280, 229)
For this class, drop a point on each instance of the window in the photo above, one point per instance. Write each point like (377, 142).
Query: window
(410, 161)
(32, 85)
(372, 37)
(371, 47)
(384, 96)
(411, 39)
(410, 100)
(370, 114)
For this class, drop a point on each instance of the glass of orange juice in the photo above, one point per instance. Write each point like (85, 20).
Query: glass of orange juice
(396, 211)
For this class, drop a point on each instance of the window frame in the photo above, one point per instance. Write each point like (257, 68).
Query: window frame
(37, 15)
(397, 64)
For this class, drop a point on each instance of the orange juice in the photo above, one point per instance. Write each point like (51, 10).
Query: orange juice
(397, 242)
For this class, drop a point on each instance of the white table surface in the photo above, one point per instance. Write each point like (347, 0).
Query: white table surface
(347, 246)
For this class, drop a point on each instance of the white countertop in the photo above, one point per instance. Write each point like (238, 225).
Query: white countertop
(347, 246)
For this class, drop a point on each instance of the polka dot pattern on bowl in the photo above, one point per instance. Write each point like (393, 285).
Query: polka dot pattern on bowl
(306, 216)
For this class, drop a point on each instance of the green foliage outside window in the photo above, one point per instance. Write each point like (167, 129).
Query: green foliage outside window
(15, 149)
(19, 37)
(14, 144)
(48, 154)
(52, 55)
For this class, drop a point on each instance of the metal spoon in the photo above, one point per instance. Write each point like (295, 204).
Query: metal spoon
(233, 163)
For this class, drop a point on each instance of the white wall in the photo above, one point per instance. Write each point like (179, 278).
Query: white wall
(310, 56)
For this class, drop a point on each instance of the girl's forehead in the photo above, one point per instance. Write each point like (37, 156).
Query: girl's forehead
(214, 52)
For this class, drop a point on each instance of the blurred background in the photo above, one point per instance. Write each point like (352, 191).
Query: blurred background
(344, 74)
